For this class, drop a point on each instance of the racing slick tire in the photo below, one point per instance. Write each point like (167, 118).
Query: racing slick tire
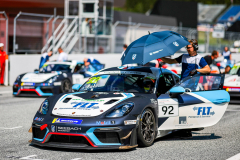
(146, 129)
(66, 86)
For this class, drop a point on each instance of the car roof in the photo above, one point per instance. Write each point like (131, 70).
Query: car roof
(155, 71)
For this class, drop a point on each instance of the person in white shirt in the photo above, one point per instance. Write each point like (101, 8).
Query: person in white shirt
(62, 55)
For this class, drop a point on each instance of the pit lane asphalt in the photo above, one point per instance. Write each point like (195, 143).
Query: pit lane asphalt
(220, 141)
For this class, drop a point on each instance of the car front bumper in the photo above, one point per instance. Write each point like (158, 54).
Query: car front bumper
(36, 89)
(84, 136)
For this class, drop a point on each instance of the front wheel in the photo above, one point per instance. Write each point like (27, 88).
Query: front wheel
(146, 129)
(66, 86)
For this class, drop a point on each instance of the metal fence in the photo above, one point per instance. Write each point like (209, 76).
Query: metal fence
(30, 32)
(4, 30)
(36, 33)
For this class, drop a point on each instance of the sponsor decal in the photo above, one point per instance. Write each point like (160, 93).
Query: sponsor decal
(26, 78)
(83, 105)
(53, 128)
(67, 129)
(155, 52)
(38, 119)
(233, 89)
(57, 83)
(232, 80)
(93, 80)
(129, 122)
(105, 122)
(27, 84)
(153, 101)
(116, 93)
(134, 56)
(182, 120)
(73, 112)
(175, 44)
(203, 112)
(64, 120)
(55, 108)
(45, 84)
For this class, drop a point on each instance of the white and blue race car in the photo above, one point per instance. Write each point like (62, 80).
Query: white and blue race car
(53, 78)
(123, 107)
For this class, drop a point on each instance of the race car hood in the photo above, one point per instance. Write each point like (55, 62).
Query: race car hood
(87, 104)
(37, 77)
(232, 81)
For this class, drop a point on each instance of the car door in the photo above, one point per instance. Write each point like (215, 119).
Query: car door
(201, 104)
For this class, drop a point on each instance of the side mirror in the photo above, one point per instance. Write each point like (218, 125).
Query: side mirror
(175, 91)
(76, 87)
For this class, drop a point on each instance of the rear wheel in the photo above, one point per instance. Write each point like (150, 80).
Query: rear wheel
(66, 86)
(146, 129)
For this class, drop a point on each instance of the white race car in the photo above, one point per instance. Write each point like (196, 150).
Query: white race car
(232, 81)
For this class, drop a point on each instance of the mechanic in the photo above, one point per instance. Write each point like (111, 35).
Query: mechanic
(3, 57)
(210, 59)
(191, 62)
(227, 55)
(45, 58)
(63, 57)
(148, 85)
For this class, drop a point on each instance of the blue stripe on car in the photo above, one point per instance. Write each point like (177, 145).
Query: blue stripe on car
(216, 97)
(95, 139)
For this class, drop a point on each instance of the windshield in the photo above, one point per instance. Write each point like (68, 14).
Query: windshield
(201, 83)
(235, 70)
(119, 83)
(48, 68)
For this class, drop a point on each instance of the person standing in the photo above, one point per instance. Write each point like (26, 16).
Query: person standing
(191, 62)
(227, 55)
(3, 57)
(62, 55)
(210, 59)
(45, 58)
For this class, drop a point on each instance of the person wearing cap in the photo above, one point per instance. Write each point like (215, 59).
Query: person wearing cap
(45, 58)
(3, 57)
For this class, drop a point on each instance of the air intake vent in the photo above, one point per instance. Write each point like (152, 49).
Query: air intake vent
(111, 101)
(66, 100)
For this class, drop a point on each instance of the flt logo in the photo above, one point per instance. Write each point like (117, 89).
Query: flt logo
(85, 105)
(204, 110)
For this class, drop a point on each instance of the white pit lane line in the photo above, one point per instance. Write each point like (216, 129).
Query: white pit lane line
(11, 128)
(236, 157)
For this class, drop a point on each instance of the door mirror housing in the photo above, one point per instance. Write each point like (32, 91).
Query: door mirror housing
(175, 91)
(76, 87)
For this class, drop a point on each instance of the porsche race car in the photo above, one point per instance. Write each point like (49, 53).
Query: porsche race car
(123, 107)
(232, 81)
(53, 78)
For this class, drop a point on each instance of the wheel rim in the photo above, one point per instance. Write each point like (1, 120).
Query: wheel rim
(147, 126)
(66, 86)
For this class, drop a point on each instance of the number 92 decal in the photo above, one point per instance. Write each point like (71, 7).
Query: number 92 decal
(168, 111)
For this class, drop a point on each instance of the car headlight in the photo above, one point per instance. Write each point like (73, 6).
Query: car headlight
(44, 107)
(51, 80)
(121, 110)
